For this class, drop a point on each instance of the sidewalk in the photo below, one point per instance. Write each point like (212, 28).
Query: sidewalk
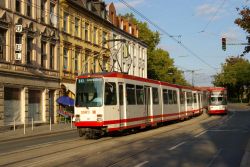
(19, 132)
(245, 161)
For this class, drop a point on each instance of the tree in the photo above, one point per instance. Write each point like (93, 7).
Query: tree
(244, 23)
(235, 76)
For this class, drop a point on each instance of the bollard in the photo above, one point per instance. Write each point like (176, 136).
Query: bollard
(32, 124)
(71, 122)
(64, 120)
(24, 128)
(14, 125)
(50, 123)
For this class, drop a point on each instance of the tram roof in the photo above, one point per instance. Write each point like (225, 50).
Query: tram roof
(131, 77)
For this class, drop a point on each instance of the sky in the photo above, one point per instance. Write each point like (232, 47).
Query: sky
(198, 26)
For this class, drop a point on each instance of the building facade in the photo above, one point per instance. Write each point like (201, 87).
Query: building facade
(29, 66)
(82, 36)
(45, 44)
(128, 53)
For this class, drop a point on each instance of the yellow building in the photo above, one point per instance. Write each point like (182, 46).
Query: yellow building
(83, 30)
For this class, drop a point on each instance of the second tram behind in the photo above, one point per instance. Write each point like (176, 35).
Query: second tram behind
(217, 100)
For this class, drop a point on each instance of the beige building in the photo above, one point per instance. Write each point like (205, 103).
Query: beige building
(83, 28)
(29, 65)
(45, 44)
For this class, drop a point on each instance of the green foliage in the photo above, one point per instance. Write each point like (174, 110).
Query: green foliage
(244, 23)
(160, 65)
(235, 76)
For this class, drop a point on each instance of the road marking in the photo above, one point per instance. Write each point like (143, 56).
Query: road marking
(227, 130)
(141, 164)
(214, 157)
(200, 134)
(174, 147)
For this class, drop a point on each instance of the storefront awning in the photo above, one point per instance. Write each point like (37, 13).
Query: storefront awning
(70, 87)
(65, 100)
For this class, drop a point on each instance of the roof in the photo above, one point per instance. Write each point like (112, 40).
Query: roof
(131, 77)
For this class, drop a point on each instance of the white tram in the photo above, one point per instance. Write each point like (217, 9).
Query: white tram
(107, 102)
(217, 100)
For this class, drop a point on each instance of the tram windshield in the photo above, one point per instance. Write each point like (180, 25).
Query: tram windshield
(218, 100)
(89, 92)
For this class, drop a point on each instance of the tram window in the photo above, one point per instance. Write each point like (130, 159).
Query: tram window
(195, 98)
(174, 97)
(155, 96)
(189, 98)
(121, 94)
(182, 99)
(110, 93)
(165, 96)
(170, 96)
(130, 94)
(139, 94)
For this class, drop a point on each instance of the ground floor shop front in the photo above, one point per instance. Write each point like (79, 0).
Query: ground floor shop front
(28, 99)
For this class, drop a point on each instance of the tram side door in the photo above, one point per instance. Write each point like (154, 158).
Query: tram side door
(122, 102)
(147, 103)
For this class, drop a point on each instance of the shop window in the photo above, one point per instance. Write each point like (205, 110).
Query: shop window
(12, 105)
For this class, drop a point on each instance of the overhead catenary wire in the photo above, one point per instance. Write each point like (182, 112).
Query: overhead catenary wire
(215, 13)
(166, 33)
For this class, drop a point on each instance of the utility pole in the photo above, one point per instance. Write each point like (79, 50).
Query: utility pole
(192, 75)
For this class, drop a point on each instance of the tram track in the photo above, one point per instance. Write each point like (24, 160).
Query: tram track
(82, 144)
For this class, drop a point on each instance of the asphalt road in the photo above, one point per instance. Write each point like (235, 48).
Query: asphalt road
(201, 141)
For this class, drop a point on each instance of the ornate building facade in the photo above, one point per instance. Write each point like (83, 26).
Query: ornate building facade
(46, 44)
(29, 66)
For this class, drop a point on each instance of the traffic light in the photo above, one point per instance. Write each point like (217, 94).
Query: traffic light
(223, 40)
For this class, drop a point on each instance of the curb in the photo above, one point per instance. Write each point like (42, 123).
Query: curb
(245, 161)
(35, 135)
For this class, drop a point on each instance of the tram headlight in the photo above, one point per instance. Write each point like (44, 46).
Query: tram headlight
(99, 118)
(77, 118)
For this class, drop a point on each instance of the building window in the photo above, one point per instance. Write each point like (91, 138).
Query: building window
(86, 68)
(77, 54)
(29, 50)
(18, 38)
(95, 35)
(52, 13)
(77, 21)
(104, 38)
(43, 54)
(65, 58)
(95, 64)
(104, 64)
(18, 6)
(114, 42)
(65, 22)
(89, 6)
(86, 31)
(29, 8)
(52, 55)
(114, 65)
(2, 44)
(43, 3)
